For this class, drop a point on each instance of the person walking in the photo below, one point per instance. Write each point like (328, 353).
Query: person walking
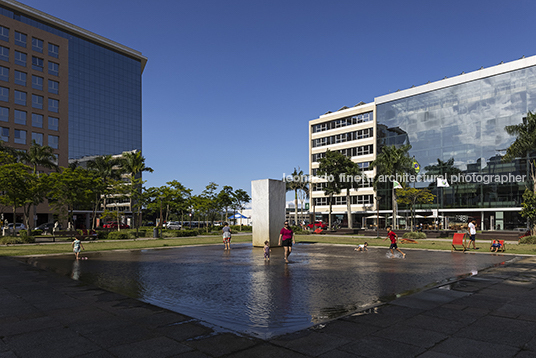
(226, 236)
(76, 245)
(393, 237)
(286, 239)
(472, 234)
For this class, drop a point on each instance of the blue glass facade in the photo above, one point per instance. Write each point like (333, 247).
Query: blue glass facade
(104, 94)
(459, 131)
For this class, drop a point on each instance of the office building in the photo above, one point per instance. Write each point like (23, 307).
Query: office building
(66, 87)
(456, 130)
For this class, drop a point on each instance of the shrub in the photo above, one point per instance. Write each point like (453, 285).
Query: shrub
(36, 232)
(245, 228)
(121, 235)
(27, 239)
(102, 235)
(8, 240)
(528, 240)
(414, 235)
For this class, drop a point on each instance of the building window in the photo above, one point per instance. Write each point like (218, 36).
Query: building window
(37, 82)
(20, 78)
(4, 114)
(20, 39)
(53, 123)
(4, 33)
(53, 68)
(53, 50)
(37, 120)
(4, 74)
(4, 134)
(37, 138)
(37, 101)
(37, 45)
(38, 63)
(20, 98)
(53, 86)
(20, 117)
(53, 105)
(53, 141)
(4, 94)
(20, 58)
(20, 136)
(4, 53)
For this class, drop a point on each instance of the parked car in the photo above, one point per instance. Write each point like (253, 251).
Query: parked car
(47, 228)
(113, 225)
(18, 227)
(317, 224)
(174, 225)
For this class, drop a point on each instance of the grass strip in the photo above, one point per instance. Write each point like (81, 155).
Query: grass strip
(58, 248)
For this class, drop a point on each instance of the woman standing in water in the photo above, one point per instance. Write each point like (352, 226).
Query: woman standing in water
(286, 238)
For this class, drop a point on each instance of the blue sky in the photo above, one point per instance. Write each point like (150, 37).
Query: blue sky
(230, 86)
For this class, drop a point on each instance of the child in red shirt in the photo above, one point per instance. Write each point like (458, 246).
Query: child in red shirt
(393, 237)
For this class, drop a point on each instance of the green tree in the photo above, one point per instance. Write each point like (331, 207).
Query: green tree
(133, 163)
(523, 146)
(18, 186)
(71, 188)
(39, 156)
(179, 198)
(529, 208)
(240, 199)
(391, 161)
(412, 197)
(338, 169)
(107, 170)
(295, 185)
(225, 198)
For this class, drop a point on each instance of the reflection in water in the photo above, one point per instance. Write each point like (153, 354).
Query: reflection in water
(240, 291)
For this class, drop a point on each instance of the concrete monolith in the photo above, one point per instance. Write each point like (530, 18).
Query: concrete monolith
(268, 199)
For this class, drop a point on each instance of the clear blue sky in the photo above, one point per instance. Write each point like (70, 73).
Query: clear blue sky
(230, 85)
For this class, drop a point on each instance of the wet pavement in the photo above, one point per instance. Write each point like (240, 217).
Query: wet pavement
(490, 314)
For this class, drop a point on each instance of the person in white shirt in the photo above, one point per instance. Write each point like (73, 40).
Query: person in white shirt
(472, 234)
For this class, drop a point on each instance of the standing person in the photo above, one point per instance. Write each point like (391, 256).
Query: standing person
(226, 236)
(286, 238)
(393, 237)
(472, 234)
(76, 245)
(267, 250)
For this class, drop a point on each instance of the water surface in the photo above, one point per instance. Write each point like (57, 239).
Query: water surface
(240, 291)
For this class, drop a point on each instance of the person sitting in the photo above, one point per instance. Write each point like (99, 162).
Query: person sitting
(495, 246)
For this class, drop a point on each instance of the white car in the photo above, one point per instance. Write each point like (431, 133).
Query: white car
(174, 225)
(18, 227)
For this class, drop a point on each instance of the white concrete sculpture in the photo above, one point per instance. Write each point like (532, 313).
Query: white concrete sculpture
(268, 210)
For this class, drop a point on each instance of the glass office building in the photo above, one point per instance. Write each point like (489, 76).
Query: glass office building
(66, 87)
(456, 131)
(104, 82)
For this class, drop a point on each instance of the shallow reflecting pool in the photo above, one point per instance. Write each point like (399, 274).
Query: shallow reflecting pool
(239, 291)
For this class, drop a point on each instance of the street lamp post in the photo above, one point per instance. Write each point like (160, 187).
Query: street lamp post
(378, 216)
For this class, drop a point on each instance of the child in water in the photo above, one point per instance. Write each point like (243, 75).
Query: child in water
(266, 251)
(362, 247)
(76, 245)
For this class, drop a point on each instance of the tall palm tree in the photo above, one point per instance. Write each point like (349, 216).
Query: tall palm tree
(525, 143)
(352, 171)
(393, 160)
(133, 163)
(39, 156)
(106, 168)
(295, 185)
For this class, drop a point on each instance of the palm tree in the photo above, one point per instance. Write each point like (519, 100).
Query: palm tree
(295, 185)
(352, 172)
(392, 161)
(133, 163)
(37, 156)
(524, 146)
(106, 168)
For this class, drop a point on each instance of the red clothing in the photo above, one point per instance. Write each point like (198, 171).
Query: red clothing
(392, 237)
(286, 234)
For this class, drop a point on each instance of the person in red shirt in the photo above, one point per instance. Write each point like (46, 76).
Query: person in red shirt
(393, 237)
(286, 238)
